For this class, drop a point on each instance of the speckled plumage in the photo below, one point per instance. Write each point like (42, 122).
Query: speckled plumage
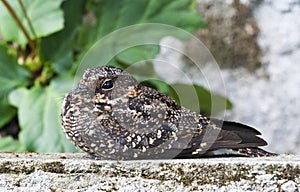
(111, 116)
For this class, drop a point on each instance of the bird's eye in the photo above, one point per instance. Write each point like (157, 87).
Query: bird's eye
(107, 84)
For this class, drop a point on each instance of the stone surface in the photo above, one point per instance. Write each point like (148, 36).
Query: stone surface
(266, 98)
(230, 34)
(76, 172)
(269, 98)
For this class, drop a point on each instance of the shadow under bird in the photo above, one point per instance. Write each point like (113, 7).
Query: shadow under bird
(110, 115)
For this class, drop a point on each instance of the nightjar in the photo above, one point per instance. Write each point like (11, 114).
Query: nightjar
(111, 116)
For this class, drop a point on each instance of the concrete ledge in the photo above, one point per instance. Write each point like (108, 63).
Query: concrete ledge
(76, 172)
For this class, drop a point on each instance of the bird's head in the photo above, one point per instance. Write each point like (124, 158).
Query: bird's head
(109, 83)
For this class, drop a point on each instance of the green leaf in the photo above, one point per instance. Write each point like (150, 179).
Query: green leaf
(8, 144)
(143, 71)
(58, 47)
(177, 13)
(193, 97)
(138, 54)
(101, 20)
(114, 14)
(162, 87)
(46, 18)
(136, 42)
(197, 98)
(39, 116)
(132, 12)
(11, 76)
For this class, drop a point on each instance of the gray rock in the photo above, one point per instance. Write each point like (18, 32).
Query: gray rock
(76, 172)
(230, 34)
(264, 90)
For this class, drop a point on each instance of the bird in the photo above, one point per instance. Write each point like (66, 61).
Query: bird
(111, 116)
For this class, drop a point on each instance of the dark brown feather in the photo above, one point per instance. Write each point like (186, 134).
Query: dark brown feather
(236, 135)
(240, 139)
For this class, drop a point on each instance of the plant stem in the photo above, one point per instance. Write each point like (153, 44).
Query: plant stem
(14, 15)
(27, 18)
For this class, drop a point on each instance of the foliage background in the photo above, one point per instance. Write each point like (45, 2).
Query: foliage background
(37, 70)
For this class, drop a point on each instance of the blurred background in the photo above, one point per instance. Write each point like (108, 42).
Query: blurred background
(259, 49)
(256, 44)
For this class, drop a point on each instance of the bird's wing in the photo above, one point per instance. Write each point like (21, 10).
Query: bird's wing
(236, 135)
(223, 135)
